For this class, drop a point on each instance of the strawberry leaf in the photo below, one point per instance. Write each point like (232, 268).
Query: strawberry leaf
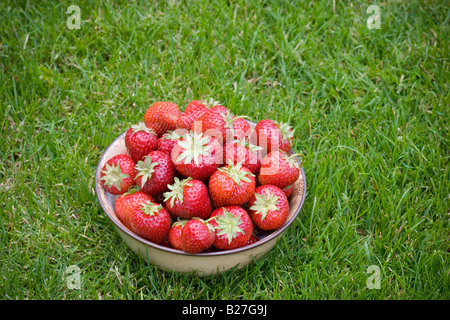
(194, 146)
(145, 168)
(176, 190)
(228, 225)
(210, 103)
(113, 176)
(180, 222)
(171, 135)
(151, 208)
(234, 172)
(142, 127)
(285, 129)
(292, 160)
(245, 142)
(265, 203)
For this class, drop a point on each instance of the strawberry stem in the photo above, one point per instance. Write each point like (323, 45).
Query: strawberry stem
(131, 190)
(228, 225)
(302, 157)
(142, 127)
(151, 208)
(234, 172)
(145, 169)
(176, 190)
(265, 203)
(194, 146)
(113, 176)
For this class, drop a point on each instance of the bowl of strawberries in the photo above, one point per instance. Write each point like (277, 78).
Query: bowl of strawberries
(202, 190)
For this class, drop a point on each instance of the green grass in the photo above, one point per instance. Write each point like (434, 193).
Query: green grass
(370, 109)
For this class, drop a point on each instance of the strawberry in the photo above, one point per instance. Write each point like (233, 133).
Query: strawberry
(231, 185)
(272, 135)
(154, 173)
(269, 207)
(252, 239)
(117, 175)
(233, 227)
(219, 122)
(197, 155)
(165, 242)
(175, 234)
(279, 169)
(288, 191)
(243, 151)
(162, 117)
(187, 199)
(129, 201)
(140, 140)
(197, 235)
(193, 112)
(150, 221)
(168, 140)
(240, 129)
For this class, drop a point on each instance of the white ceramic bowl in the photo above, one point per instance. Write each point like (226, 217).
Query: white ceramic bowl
(202, 263)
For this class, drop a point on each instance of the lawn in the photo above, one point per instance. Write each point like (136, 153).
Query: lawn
(370, 112)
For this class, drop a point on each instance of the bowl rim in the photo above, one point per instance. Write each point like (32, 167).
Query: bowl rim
(274, 234)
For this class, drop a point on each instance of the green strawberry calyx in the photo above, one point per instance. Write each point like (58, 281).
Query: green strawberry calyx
(142, 127)
(228, 225)
(113, 176)
(180, 222)
(145, 168)
(206, 223)
(265, 203)
(131, 190)
(151, 208)
(285, 129)
(171, 135)
(176, 190)
(292, 159)
(194, 146)
(245, 142)
(229, 118)
(235, 173)
(210, 103)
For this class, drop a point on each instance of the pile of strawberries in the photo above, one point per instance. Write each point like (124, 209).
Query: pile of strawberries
(202, 180)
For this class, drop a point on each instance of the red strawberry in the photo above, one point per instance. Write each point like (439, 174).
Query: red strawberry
(243, 151)
(253, 239)
(197, 235)
(272, 135)
(129, 201)
(193, 112)
(187, 199)
(269, 207)
(140, 140)
(162, 117)
(155, 173)
(233, 227)
(220, 123)
(165, 242)
(168, 140)
(231, 185)
(288, 191)
(240, 129)
(279, 169)
(175, 233)
(117, 175)
(197, 155)
(150, 221)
